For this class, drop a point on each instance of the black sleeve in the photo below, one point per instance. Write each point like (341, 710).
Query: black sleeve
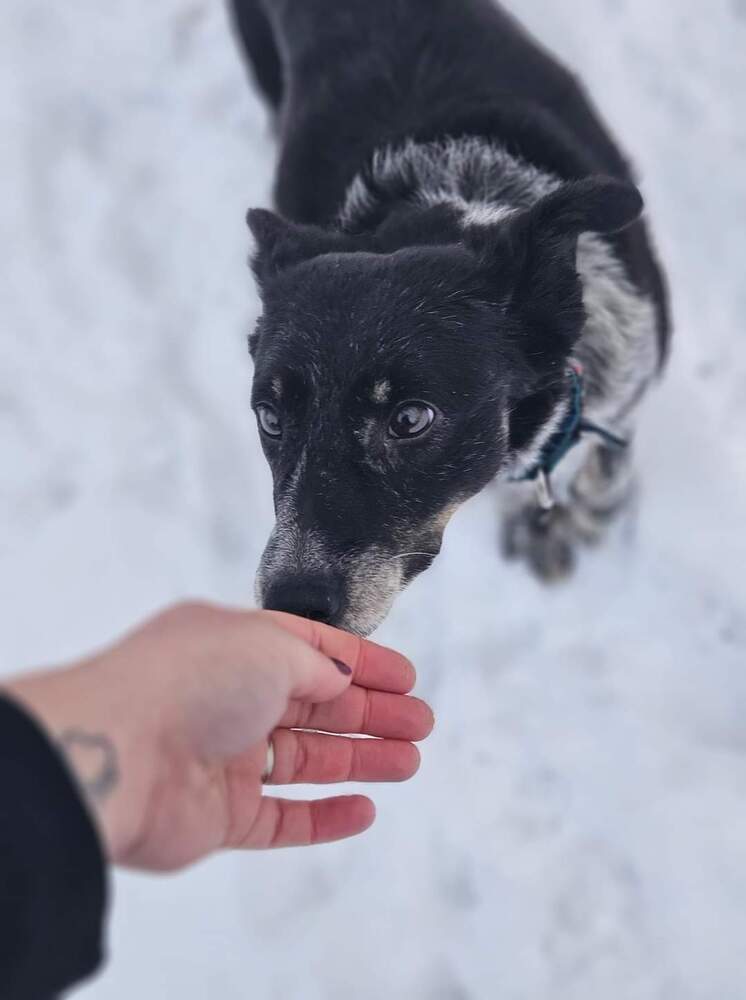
(52, 870)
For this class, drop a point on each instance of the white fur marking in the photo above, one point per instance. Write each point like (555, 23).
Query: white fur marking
(527, 459)
(381, 391)
(481, 214)
(469, 174)
(620, 329)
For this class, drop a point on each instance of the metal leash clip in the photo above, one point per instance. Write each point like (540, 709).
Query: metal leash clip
(544, 493)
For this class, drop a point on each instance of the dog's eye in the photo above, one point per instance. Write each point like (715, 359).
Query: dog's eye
(269, 420)
(411, 420)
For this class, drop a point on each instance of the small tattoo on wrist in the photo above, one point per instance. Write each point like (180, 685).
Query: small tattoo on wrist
(93, 758)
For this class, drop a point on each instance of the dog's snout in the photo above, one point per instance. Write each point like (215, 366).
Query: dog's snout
(317, 597)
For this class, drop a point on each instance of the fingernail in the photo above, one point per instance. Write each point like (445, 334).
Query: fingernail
(342, 667)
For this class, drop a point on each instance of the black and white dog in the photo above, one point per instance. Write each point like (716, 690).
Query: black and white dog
(458, 285)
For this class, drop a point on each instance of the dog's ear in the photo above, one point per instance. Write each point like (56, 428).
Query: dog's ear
(591, 205)
(281, 244)
(530, 255)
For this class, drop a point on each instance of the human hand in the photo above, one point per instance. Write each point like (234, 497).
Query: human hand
(167, 731)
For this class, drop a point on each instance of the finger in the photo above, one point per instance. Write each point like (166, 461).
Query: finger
(316, 758)
(373, 666)
(371, 713)
(287, 823)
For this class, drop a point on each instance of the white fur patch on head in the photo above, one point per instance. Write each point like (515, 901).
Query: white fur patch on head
(381, 391)
(277, 386)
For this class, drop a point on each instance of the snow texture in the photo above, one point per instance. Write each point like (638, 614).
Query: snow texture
(578, 828)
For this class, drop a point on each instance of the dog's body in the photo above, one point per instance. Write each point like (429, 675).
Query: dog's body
(459, 226)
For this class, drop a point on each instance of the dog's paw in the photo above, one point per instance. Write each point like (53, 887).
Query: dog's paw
(546, 540)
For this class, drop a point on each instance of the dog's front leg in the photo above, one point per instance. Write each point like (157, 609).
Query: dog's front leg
(604, 485)
(548, 540)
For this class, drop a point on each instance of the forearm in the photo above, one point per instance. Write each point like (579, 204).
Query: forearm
(52, 874)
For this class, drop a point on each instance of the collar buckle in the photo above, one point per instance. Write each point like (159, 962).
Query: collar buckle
(564, 440)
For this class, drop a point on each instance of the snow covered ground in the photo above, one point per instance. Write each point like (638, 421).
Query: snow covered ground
(578, 828)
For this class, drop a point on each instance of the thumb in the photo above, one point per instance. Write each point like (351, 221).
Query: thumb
(251, 694)
(296, 663)
(312, 676)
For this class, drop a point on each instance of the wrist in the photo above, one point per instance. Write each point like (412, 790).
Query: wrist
(96, 747)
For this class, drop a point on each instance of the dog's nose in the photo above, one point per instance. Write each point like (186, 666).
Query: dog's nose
(317, 597)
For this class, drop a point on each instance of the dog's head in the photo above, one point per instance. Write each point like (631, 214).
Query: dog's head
(390, 387)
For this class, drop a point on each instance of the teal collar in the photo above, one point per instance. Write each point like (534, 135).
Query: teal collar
(565, 438)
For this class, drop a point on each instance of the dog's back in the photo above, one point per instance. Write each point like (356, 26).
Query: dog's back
(349, 79)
